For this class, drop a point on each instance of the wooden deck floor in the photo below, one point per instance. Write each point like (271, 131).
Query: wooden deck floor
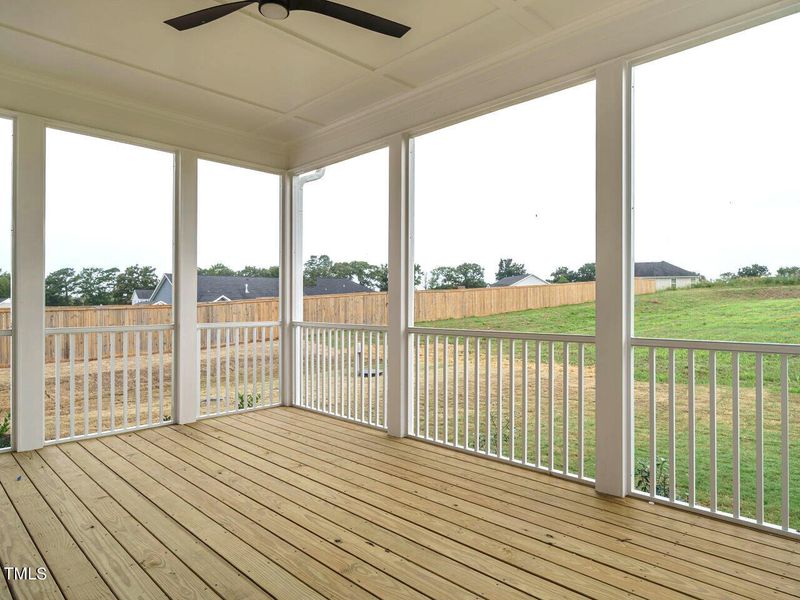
(284, 503)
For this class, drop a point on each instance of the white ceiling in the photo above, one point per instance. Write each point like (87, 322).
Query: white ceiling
(281, 81)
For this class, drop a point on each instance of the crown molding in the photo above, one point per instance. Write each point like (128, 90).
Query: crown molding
(541, 66)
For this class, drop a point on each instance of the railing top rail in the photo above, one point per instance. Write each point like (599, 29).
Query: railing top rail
(755, 347)
(508, 335)
(382, 328)
(110, 329)
(5, 332)
(238, 324)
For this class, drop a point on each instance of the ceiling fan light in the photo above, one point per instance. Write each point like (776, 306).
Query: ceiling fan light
(273, 10)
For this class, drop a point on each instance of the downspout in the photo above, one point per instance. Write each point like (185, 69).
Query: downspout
(292, 294)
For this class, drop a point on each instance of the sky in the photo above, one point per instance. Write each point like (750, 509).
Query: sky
(716, 181)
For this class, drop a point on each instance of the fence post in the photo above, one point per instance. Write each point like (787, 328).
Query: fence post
(186, 392)
(27, 296)
(614, 281)
(401, 285)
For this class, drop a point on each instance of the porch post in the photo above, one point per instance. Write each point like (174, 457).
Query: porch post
(291, 298)
(186, 388)
(27, 295)
(614, 281)
(401, 286)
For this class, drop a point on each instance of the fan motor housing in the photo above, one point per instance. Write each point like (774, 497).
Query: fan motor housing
(274, 9)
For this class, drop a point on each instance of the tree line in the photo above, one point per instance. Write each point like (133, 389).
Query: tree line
(757, 271)
(95, 286)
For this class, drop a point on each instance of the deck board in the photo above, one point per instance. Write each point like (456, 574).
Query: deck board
(286, 503)
(648, 539)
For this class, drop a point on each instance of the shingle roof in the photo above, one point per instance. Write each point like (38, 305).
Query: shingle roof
(660, 269)
(505, 281)
(143, 293)
(212, 287)
(335, 286)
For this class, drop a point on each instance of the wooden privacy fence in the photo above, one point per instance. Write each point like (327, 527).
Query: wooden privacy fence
(363, 309)
(439, 305)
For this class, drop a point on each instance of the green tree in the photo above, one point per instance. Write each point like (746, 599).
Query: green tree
(133, 278)
(586, 273)
(378, 277)
(317, 267)
(563, 275)
(442, 278)
(727, 276)
(465, 275)
(788, 272)
(59, 287)
(5, 284)
(216, 269)
(250, 271)
(356, 270)
(508, 268)
(754, 270)
(95, 286)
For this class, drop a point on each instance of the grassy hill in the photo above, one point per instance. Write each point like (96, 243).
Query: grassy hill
(743, 313)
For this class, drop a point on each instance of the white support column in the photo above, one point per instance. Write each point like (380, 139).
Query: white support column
(184, 291)
(614, 281)
(401, 285)
(27, 295)
(291, 299)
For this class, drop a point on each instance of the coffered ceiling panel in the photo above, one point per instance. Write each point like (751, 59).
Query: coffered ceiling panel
(35, 58)
(562, 12)
(429, 20)
(474, 43)
(280, 81)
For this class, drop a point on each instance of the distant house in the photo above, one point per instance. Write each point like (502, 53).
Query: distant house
(141, 296)
(666, 275)
(223, 288)
(520, 280)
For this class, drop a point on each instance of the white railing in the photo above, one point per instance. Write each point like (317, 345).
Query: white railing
(712, 424)
(107, 380)
(238, 367)
(523, 398)
(342, 371)
(5, 402)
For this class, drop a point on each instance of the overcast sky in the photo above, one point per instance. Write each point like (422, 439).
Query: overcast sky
(717, 181)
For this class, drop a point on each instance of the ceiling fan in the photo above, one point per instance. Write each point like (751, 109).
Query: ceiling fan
(280, 9)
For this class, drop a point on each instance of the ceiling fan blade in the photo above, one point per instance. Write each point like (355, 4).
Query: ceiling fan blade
(352, 16)
(201, 17)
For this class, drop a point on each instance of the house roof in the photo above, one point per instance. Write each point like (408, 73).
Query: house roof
(335, 285)
(660, 269)
(506, 281)
(234, 287)
(212, 287)
(143, 293)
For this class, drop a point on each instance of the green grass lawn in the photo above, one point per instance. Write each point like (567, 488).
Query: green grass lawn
(745, 313)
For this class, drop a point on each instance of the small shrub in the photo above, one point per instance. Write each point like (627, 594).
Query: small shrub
(644, 480)
(248, 401)
(5, 425)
